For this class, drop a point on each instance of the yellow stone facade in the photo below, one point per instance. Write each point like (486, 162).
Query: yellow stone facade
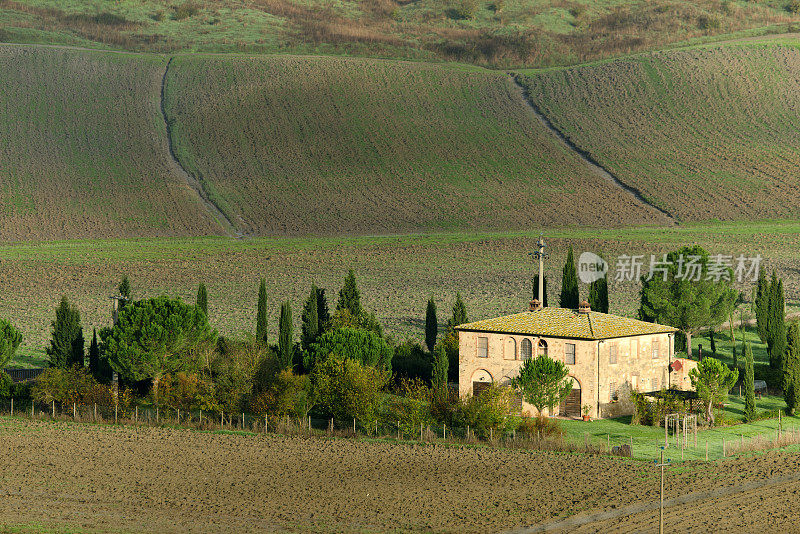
(602, 368)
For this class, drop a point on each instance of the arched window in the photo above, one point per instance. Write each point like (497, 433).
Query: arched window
(542, 350)
(511, 349)
(526, 349)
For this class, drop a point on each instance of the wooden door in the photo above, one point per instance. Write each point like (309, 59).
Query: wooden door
(571, 406)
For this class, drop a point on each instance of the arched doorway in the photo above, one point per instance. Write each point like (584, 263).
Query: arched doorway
(481, 380)
(571, 406)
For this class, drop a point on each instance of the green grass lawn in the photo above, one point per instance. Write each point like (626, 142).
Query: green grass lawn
(647, 441)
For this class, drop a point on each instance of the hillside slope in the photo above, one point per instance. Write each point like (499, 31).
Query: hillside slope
(703, 133)
(83, 149)
(296, 145)
(500, 33)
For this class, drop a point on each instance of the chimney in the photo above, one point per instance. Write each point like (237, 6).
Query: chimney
(536, 305)
(584, 307)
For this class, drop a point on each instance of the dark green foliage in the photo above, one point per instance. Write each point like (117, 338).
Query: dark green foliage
(354, 343)
(712, 380)
(598, 295)
(94, 356)
(349, 297)
(791, 369)
(570, 297)
(202, 298)
(323, 315)
(157, 336)
(459, 313)
(66, 343)
(749, 386)
(10, 340)
(761, 305)
(733, 342)
(431, 325)
(347, 389)
(688, 305)
(6, 385)
(261, 313)
(535, 288)
(285, 338)
(440, 369)
(412, 362)
(311, 328)
(543, 382)
(776, 324)
(124, 289)
(711, 340)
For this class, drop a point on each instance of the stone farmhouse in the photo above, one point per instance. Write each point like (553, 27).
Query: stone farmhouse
(604, 353)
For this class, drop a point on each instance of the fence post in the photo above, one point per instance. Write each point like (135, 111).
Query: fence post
(354, 425)
(54, 409)
(74, 412)
(201, 417)
(265, 423)
(222, 418)
(116, 407)
(444, 430)
(95, 412)
(12, 406)
(137, 414)
(420, 431)
(178, 411)
(242, 420)
(31, 409)
(157, 417)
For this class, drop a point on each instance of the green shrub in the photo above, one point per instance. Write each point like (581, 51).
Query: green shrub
(185, 10)
(410, 409)
(793, 7)
(463, 10)
(6, 385)
(493, 409)
(186, 392)
(708, 22)
(287, 394)
(68, 386)
(347, 389)
(410, 361)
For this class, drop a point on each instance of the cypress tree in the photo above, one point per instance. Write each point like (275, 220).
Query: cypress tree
(323, 316)
(349, 297)
(124, 289)
(440, 369)
(66, 344)
(261, 314)
(749, 386)
(535, 287)
(776, 324)
(431, 325)
(570, 297)
(459, 313)
(733, 342)
(202, 298)
(310, 329)
(791, 369)
(598, 295)
(761, 305)
(94, 357)
(285, 341)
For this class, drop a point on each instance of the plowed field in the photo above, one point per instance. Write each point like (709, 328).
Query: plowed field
(95, 478)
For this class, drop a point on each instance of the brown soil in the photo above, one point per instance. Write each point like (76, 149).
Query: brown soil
(98, 478)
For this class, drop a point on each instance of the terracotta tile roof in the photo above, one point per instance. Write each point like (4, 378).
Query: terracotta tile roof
(566, 323)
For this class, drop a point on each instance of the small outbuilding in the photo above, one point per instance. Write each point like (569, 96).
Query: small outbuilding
(604, 353)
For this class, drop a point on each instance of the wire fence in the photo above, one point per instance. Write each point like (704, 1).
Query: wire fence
(708, 446)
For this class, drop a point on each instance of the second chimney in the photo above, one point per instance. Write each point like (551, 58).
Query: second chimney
(536, 305)
(584, 307)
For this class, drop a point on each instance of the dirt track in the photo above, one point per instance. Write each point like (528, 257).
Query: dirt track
(94, 478)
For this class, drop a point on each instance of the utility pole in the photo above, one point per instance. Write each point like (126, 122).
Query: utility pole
(662, 465)
(541, 256)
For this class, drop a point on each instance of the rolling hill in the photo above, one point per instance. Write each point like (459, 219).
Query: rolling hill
(84, 149)
(279, 145)
(497, 33)
(302, 145)
(703, 133)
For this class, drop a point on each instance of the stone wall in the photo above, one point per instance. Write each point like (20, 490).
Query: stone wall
(598, 378)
